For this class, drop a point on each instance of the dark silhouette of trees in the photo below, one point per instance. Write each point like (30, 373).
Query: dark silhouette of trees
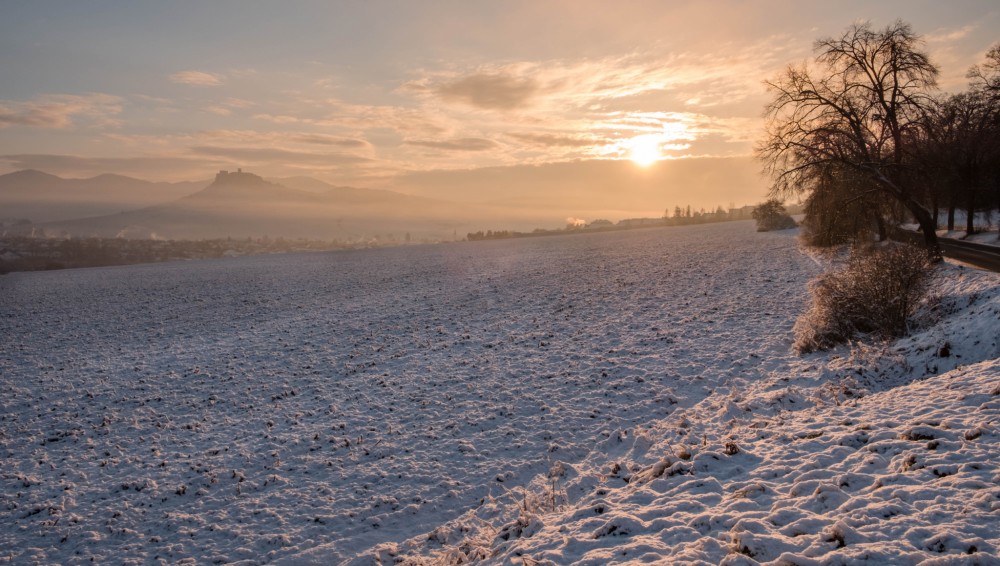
(985, 87)
(859, 112)
(771, 215)
(986, 76)
(960, 154)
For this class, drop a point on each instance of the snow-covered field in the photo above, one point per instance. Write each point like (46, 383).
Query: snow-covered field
(596, 398)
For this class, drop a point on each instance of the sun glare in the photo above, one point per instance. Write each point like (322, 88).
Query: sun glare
(645, 150)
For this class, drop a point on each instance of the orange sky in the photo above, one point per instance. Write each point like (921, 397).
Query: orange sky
(436, 98)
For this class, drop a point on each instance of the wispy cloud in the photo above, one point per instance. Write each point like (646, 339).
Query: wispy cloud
(230, 105)
(491, 91)
(584, 108)
(266, 155)
(584, 83)
(552, 140)
(281, 118)
(337, 115)
(197, 78)
(60, 110)
(238, 103)
(323, 139)
(949, 35)
(461, 144)
(283, 139)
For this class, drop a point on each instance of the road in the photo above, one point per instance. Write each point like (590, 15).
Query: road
(980, 255)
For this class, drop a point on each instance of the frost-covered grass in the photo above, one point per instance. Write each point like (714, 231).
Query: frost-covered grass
(597, 398)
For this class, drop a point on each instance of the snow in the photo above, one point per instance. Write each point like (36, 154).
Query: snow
(595, 398)
(984, 223)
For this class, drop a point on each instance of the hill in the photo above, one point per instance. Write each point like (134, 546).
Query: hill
(241, 205)
(41, 197)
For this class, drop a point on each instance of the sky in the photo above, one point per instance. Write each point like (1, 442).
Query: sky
(428, 97)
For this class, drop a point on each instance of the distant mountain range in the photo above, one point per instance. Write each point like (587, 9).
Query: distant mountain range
(451, 204)
(235, 204)
(41, 197)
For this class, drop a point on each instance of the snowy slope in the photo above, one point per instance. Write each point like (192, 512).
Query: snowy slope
(885, 454)
(415, 403)
(899, 477)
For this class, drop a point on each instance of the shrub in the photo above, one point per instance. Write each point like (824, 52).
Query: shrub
(875, 293)
(771, 215)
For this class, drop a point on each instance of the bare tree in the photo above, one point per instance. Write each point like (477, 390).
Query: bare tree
(860, 109)
(986, 76)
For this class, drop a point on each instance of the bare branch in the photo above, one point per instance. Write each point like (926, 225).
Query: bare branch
(857, 111)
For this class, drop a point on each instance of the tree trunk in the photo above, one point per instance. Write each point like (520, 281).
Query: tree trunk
(880, 224)
(935, 209)
(970, 214)
(927, 226)
(951, 215)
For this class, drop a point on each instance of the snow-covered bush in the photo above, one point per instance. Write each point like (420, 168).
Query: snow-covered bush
(875, 293)
(771, 215)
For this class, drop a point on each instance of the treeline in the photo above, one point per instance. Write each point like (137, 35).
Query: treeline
(686, 215)
(679, 216)
(957, 152)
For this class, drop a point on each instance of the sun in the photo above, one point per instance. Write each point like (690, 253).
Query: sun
(645, 150)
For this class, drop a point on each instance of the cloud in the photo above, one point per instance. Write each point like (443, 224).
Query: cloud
(460, 144)
(323, 139)
(226, 107)
(271, 151)
(153, 100)
(281, 119)
(282, 138)
(238, 103)
(572, 108)
(60, 110)
(490, 91)
(332, 114)
(197, 78)
(171, 167)
(552, 140)
(272, 155)
(566, 109)
(949, 35)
